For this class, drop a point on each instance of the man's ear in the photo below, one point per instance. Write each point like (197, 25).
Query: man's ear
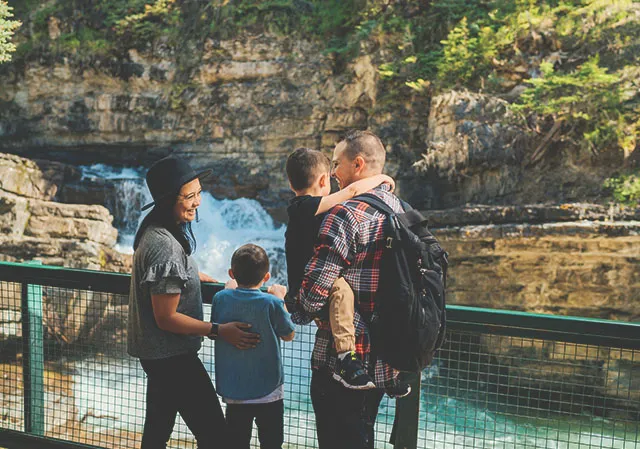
(231, 274)
(359, 164)
(266, 277)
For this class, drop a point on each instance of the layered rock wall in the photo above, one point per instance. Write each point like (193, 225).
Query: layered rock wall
(33, 226)
(571, 268)
(567, 259)
(246, 103)
(245, 107)
(477, 151)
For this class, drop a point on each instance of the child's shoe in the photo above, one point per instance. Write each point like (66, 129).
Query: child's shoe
(399, 390)
(352, 374)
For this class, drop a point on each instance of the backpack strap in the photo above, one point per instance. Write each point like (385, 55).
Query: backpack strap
(411, 218)
(406, 206)
(375, 202)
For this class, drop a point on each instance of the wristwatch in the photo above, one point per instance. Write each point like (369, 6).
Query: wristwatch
(213, 334)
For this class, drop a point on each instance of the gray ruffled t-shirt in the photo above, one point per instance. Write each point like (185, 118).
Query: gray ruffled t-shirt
(161, 266)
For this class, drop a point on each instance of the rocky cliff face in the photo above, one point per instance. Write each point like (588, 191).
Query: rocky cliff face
(34, 226)
(248, 104)
(567, 259)
(575, 268)
(476, 152)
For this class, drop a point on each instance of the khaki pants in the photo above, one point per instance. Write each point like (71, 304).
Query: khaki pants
(341, 310)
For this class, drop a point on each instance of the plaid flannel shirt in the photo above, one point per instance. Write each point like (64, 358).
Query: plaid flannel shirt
(350, 245)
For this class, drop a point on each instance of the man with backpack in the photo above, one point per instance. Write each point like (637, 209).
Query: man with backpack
(350, 244)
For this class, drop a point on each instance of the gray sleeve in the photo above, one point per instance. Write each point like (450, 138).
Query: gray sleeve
(166, 286)
(166, 271)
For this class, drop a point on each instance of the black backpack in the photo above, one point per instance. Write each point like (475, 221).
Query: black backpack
(409, 318)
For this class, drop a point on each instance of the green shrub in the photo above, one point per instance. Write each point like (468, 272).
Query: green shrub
(41, 17)
(586, 103)
(113, 11)
(144, 27)
(458, 63)
(625, 189)
(338, 23)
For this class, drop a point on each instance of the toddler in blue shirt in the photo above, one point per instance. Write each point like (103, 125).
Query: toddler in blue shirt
(251, 381)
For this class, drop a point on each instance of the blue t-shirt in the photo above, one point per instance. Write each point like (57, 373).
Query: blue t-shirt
(250, 373)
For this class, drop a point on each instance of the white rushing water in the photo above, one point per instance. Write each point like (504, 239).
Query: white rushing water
(109, 392)
(223, 225)
(129, 194)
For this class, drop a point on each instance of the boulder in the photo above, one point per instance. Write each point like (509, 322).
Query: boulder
(14, 214)
(476, 150)
(65, 252)
(36, 179)
(20, 217)
(472, 150)
(34, 227)
(71, 221)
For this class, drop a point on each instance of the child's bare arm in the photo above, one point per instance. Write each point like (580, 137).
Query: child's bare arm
(289, 337)
(354, 189)
(277, 290)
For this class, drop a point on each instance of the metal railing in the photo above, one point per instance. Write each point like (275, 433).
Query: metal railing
(502, 380)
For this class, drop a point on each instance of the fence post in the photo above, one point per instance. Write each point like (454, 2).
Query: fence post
(33, 358)
(405, 430)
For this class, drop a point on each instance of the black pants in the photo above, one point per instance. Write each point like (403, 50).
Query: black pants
(182, 385)
(345, 419)
(269, 420)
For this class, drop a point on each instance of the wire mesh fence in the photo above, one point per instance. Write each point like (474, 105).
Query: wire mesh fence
(496, 391)
(66, 375)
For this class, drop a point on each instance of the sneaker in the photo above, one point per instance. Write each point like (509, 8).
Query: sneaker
(399, 390)
(352, 374)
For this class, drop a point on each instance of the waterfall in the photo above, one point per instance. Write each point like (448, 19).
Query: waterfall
(223, 225)
(128, 194)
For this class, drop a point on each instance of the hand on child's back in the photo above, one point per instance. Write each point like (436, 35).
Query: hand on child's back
(278, 290)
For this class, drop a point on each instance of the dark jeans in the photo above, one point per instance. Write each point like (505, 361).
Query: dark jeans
(269, 420)
(345, 419)
(182, 385)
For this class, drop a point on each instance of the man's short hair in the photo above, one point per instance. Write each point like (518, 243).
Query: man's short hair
(304, 165)
(367, 145)
(249, 264)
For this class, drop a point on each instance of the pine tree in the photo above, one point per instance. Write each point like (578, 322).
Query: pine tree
(7, 28)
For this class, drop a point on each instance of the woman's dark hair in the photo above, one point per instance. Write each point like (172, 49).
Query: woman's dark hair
(162, 215)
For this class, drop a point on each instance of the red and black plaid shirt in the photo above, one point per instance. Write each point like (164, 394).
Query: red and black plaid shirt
(349, 245)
